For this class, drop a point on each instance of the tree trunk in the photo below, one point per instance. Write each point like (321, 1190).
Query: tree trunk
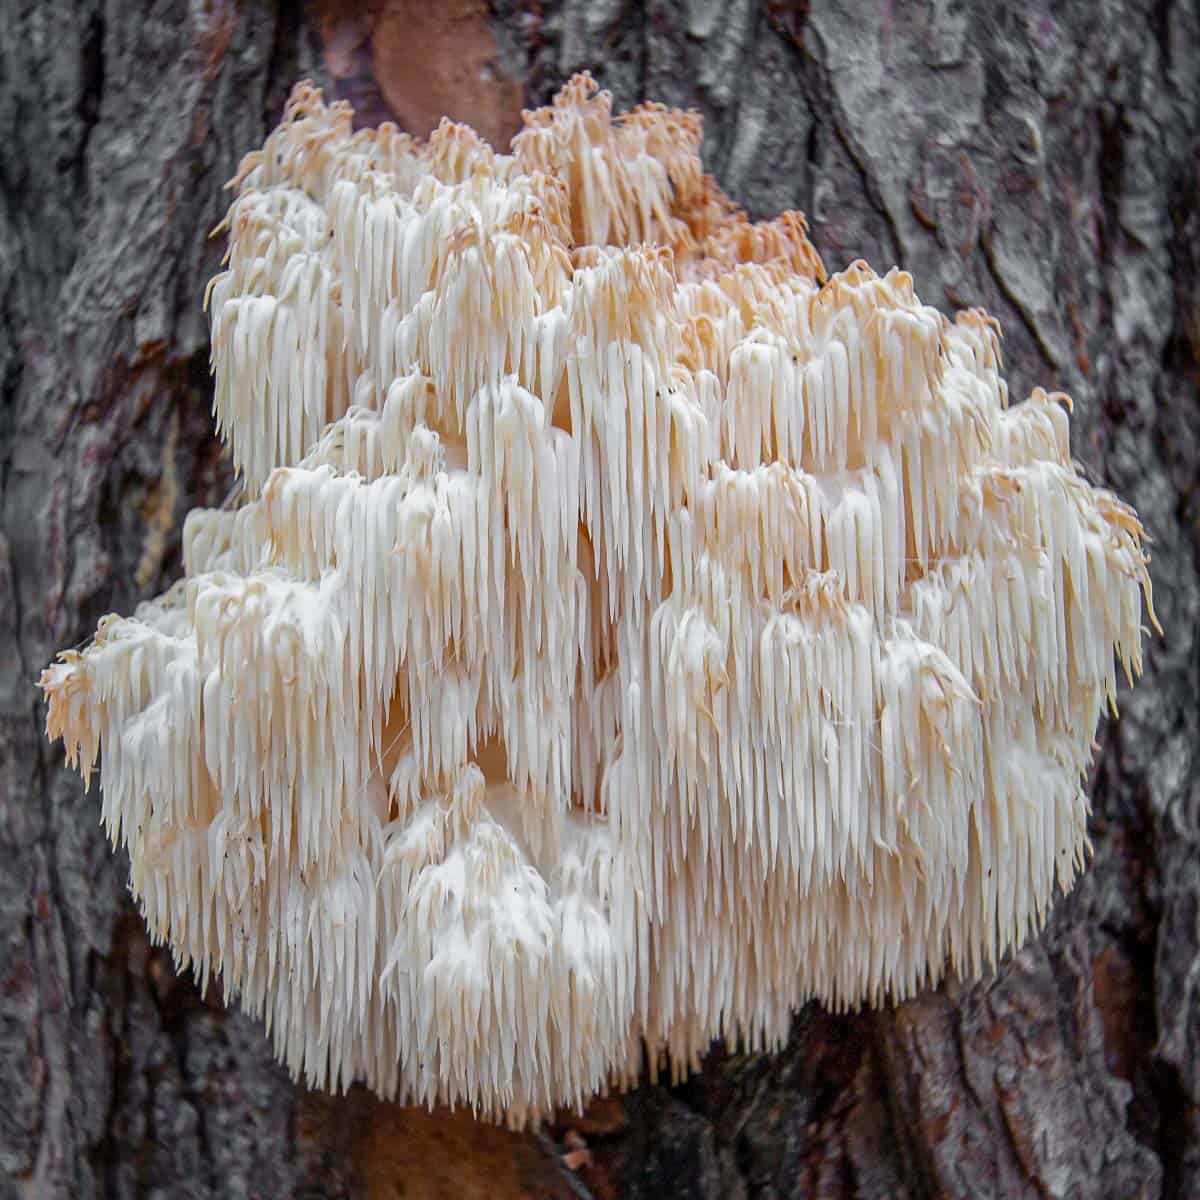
(1041, 161)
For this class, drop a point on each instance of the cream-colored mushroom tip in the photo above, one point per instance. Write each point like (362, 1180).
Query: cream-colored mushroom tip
(626, 634)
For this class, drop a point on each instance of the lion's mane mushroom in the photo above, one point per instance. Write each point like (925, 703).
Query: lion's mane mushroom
(626, 635)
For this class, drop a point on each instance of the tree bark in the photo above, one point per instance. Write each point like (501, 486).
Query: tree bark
(1041, 161)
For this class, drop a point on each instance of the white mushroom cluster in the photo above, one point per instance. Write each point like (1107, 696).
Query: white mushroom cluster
(626, 634)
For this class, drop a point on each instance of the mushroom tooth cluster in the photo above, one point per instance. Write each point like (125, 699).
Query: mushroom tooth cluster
(626, 635)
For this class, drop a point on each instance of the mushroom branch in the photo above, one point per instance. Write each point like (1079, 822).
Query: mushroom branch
(625, 634)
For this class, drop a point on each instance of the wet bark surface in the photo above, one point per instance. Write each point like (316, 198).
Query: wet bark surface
(1042, 161)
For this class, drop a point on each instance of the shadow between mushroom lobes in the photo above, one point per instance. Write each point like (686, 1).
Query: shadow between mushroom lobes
(625, 634)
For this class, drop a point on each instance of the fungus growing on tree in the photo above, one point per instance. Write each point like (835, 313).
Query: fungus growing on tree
(625, 635)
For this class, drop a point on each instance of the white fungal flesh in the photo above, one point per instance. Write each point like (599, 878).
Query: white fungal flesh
(627, 636)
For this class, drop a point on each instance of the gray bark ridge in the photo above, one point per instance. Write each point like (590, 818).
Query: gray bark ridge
(1038, 160)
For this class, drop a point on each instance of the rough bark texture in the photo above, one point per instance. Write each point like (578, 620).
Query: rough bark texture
(1040, 160)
